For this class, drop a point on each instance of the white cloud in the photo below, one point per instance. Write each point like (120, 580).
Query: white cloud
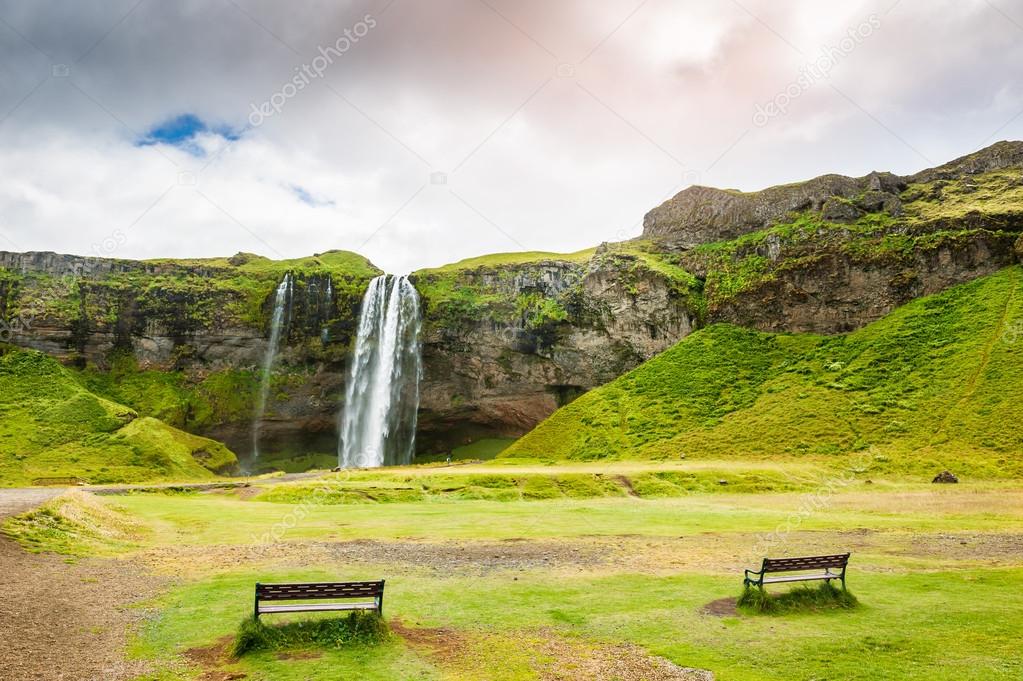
(532, 159)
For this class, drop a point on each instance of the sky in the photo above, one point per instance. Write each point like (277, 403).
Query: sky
(421, 132)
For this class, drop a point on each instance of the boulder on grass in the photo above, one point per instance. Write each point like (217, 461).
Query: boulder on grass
(946, 477)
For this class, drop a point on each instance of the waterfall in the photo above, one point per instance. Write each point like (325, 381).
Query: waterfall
(284, 291)
(378, 420)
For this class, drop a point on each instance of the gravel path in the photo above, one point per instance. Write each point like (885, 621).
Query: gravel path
(14, 500)
(62, 620)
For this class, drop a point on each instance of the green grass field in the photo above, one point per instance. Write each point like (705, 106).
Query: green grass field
(568, 588)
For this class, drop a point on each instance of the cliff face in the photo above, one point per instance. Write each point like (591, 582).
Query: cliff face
(184, 340)
(507, 343)
(508, 338)
(855, 249)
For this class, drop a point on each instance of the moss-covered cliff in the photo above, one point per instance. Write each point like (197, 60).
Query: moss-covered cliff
(183, 340)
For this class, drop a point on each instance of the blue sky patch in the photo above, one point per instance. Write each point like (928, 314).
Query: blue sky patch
(308, 198)
(181, 132)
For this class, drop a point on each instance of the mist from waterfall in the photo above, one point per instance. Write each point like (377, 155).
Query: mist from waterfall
(378, 419)
(283, 294)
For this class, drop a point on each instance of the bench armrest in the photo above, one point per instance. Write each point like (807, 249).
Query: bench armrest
(754, 572)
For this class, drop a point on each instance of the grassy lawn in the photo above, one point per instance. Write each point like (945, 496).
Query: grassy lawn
(537, 589)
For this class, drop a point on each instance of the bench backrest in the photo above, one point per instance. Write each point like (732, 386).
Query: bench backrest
(318, 590)
(805, 563)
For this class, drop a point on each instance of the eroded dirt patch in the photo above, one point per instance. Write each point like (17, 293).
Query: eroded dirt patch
(722, 607)
(445, 646)
(210, 658)
(731, 552)
(571, 661)
(443, 558)
(550, 655)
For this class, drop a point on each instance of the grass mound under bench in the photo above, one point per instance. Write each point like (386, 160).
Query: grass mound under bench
(358, 628)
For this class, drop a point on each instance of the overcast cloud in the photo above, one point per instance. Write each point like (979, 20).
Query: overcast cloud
(426, 131)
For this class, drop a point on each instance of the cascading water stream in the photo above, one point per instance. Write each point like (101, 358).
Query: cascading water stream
(283, 294)
(378, 420)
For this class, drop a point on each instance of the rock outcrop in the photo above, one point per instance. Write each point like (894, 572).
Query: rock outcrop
(702, 215)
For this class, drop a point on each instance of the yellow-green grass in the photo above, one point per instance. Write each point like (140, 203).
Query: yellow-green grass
(912, 614)
(914, 393)
(515, 258)
(51, 426)
(340, 262)
(219, 519)
(528, 481)
(75, 523)
(996, 193)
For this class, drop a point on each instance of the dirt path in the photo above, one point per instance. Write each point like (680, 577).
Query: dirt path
(16, 500)
(64, 621)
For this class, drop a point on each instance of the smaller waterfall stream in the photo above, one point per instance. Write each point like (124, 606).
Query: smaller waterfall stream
(378, 421)
(283, 294)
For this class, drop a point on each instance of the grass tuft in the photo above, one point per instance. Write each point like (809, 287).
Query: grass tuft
(358, 628)
(823, 597)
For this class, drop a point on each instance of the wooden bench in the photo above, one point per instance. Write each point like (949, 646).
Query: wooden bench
(804, 564)
(370, 596)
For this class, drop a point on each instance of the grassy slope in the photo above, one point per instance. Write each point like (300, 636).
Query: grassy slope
(918, 390)
(52, 426)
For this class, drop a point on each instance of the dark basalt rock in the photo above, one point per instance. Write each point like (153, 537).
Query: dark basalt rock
(945, 477)
(701, 215)
(840, 210)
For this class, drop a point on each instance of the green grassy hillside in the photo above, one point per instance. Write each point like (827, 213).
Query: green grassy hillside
(52, 426)
(936, 384)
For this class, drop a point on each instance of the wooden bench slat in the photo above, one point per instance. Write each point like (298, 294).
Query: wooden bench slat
(317, 607)
(799, 578)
